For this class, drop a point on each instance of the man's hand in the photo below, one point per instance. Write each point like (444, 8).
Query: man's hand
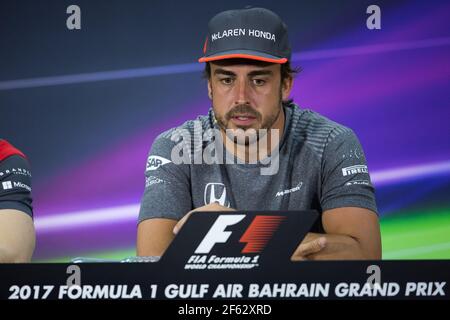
(311, 244)
(210, 207)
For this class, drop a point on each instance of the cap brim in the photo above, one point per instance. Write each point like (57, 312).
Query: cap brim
(244, 54)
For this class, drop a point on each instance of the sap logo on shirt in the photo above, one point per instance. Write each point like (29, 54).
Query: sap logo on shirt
(256, 236)
(154, 162)
(216, 192)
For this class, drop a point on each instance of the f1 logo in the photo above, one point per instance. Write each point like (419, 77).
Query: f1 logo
(259, 233)
(256, 236)
(217, 233)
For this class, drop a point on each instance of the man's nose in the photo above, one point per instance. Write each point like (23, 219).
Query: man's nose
(242, 92)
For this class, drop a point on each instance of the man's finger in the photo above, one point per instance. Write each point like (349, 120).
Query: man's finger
(181, 223)
(310, 247)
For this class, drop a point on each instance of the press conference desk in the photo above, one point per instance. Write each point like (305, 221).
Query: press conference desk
(166, 281)
(231, 256)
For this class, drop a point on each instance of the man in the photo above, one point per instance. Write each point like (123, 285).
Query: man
(17, 235)
(304, 161)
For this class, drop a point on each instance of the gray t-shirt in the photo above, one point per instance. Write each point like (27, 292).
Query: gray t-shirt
(321, 166)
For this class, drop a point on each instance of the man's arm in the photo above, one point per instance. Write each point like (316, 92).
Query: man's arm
(154, 236)
(17, 236)
(347, 198)
(351, 233)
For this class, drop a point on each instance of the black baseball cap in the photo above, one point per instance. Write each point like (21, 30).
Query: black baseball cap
(251, 33)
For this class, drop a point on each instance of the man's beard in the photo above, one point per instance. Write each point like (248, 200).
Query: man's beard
(223, 122)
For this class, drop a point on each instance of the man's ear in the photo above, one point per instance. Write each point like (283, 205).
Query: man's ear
(286, 87)
(209, 89)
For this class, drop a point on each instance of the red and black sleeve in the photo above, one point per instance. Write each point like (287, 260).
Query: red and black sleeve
(15, 179)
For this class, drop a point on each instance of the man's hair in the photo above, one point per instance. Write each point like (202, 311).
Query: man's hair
(286, 71)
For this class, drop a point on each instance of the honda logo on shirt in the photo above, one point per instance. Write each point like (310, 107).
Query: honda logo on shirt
(216, 192)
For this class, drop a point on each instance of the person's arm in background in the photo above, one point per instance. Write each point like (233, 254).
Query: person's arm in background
(17, 234)
(349, 217)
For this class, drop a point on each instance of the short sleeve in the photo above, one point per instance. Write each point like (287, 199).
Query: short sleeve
(15, 184)
(345, 177)
(167, 185)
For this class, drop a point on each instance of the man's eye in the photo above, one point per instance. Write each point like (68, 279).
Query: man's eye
(226, 80)
(259, 82)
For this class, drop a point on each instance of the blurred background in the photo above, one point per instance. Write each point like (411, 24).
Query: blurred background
(85, 105)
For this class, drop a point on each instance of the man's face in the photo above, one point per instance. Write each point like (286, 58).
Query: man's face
(247, 94)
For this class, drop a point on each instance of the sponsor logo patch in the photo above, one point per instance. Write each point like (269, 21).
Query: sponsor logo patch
(354, 170)
(296, 188)
(154, 162)
(151, 180)
(358, 182)
(7, 185)
(13, 184)
(216, 192)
